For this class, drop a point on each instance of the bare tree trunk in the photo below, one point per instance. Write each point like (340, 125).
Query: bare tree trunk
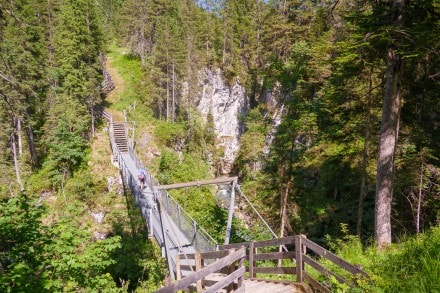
(168, 91)
(173, 100)
(19, 137)
(93, 120)
(224, 42)
(419, 201)
(387, 148)
(16, 165)
(283, 209)
(388, 138)
(363, 192)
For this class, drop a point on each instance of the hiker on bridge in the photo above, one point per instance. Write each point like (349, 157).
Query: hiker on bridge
(141, 177)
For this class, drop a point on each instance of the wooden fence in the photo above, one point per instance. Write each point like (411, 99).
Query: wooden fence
(230, 262)
(300, 251)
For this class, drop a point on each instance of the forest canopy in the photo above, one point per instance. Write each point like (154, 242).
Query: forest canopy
(355, 86)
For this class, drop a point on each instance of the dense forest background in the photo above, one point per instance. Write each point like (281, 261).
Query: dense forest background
(357, 83)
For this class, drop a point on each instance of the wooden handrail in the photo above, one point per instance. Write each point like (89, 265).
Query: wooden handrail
(236, 272)
(300, 256)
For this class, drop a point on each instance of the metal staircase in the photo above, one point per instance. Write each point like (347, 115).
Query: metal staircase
(120, 136)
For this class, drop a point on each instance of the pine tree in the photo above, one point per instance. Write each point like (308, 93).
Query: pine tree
(22, 83)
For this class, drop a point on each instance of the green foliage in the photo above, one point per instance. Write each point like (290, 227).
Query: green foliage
(22, 246)
(66, 149)
(48, 258)
(410, 265)
(252, 143)
(170, 134)
(136, 264)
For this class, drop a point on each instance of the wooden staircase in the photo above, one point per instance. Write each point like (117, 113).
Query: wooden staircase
(120, 137)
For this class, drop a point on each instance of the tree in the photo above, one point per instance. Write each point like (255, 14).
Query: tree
(48, 258)
(22, 83)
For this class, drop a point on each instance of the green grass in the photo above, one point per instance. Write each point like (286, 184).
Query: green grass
(411, 265)
(131, 73)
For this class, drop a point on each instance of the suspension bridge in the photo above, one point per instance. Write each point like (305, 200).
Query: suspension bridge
(196, 262)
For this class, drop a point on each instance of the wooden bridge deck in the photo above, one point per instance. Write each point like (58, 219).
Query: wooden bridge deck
(254, 285)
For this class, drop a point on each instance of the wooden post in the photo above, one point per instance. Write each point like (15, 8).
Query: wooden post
(198, 259)
(252, 263)
(178, 271)
(298, 258)
(241, 278)
(231, 269)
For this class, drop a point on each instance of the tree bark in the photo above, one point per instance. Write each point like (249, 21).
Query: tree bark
(387, 148)
(389, 131)
(16, 165)
(20, 141)
(419, 201)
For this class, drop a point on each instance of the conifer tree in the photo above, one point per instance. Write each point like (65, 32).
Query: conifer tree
(22, 82)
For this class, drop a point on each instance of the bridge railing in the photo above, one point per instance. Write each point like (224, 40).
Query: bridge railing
(229, 261)
(199, 237)
(305, 252)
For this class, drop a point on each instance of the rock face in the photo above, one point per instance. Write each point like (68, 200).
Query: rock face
(226, 104)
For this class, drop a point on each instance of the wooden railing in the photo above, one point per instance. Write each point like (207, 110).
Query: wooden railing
(260, 251)
(231, 262)
(302, 251)
(302, 248)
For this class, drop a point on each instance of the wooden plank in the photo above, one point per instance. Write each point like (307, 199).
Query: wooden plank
(332, 257)
(275, 270)
(185, 282)
(178, 268)
(214, 254)
(315, 284)
(298, 257)
(252, 262)
(196, 183)
(241, 278)
(226, 281)
(284, 282)
(275, 255)
(322, 269)
(276, 242)
(198, 268)
(231, 269)
(234, 245)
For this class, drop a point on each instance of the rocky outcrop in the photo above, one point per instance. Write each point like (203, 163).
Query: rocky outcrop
(226, 103)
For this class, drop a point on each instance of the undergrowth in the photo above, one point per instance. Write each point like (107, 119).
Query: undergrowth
(411, 265)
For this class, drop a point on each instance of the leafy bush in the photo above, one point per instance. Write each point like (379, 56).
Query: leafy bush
(50, 258)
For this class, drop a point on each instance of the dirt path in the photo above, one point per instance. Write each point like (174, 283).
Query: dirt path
(115, 95)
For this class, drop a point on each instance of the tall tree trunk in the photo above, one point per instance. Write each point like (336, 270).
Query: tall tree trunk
(419, 201)
(387, 148)
(389, 131)
(173, 99)
(16, 165)
(363, 191)
(283, 210)
(19, 137)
